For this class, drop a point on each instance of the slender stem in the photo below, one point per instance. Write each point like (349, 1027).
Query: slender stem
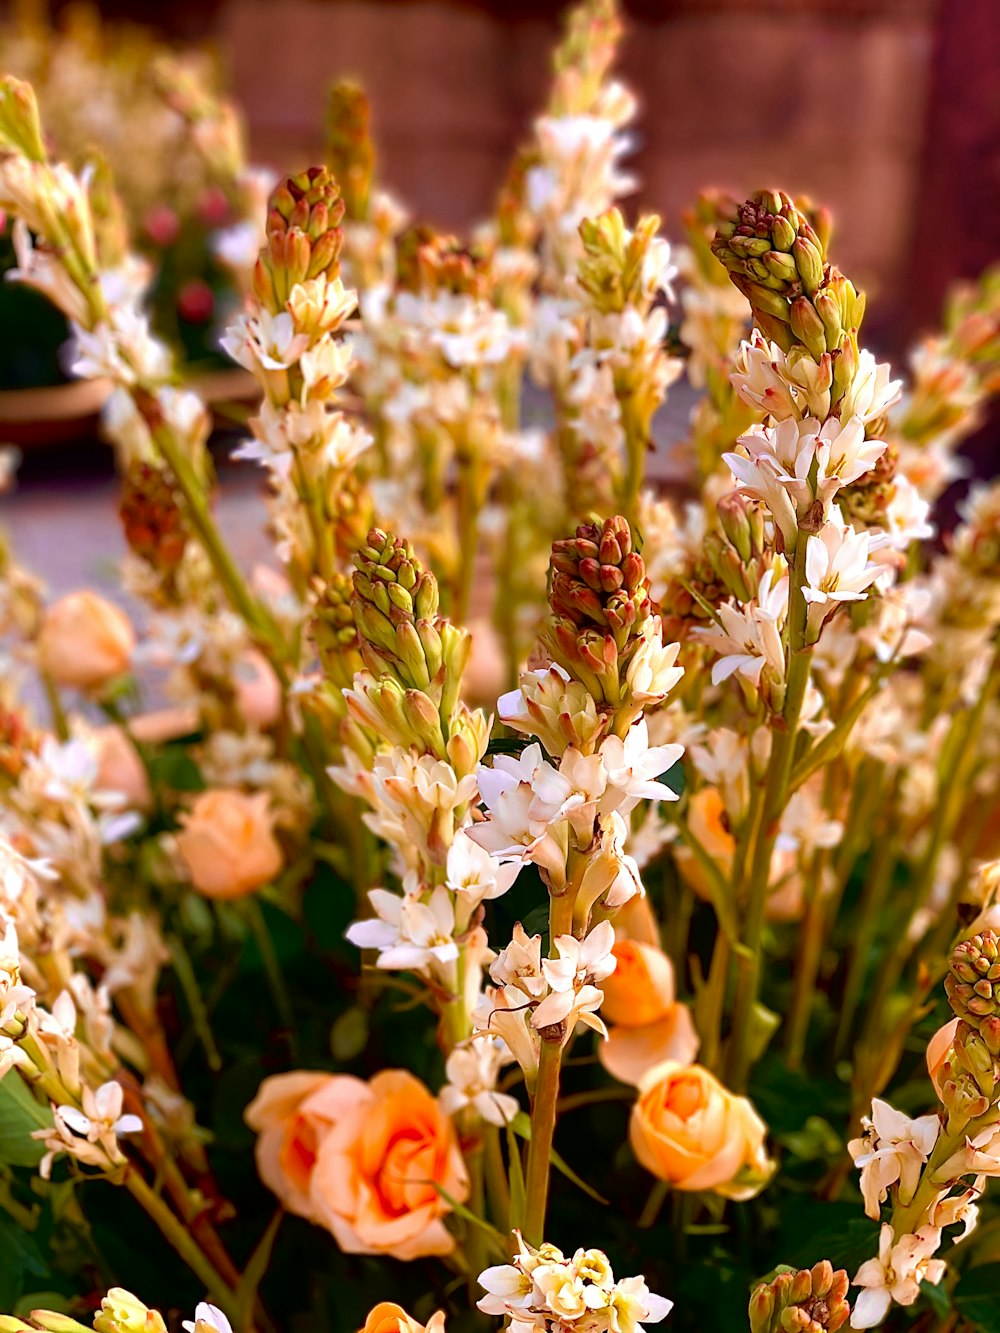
(178, 1235)
(873, 900)
(544, 1103)
(807, 964)
(543, 1124)
(226, 570)
(710, 1016)
(775, 795)
(188, 982)
(59, 723)
(656, 1200)
(272, 967)
(497, 1187)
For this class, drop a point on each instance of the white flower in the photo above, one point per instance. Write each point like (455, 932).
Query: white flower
(543, 1291)
(207, 1319)
(261, 341)
(806, 461)
(652, 672)
(475, 875)
(101, 1118)
(837, 570)
(471, 1072)
(749, 636)
(572, 977)
(894, 1148)
(520, 964)
(871, 393)
(521, 826)
(758, 380)
(409, 933)
(907, 515)
(632, 764)
(896, 1274)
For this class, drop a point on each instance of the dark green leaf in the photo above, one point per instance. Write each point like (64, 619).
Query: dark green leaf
(977, 1297)
(20, 1116)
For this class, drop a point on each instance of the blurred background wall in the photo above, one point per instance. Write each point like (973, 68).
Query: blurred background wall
(887, 110)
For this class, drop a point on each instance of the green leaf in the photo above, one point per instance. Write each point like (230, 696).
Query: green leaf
(977, 1297)
(20, 1116)
(175, 769)
(21, 1259)
(676, 778)
(253, 1274)
(518, 1193)
(521, 1124)
(460, 1210)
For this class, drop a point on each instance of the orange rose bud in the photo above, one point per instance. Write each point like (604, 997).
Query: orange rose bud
(689, 1130)
(641, 988)
(85, 641)
(389, 1318)
(227, 843)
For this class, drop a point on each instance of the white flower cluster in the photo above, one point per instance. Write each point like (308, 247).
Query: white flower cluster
(544, 1291)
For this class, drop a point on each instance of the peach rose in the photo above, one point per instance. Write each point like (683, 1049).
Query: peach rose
(120, 768)
(85, 641)
(258, 691)
(290, 1114)
(228, 844)
(686, 1128)
(706, 816)
(938, 1050)
(373, 1184)
(641, 988)
(389, 1318)
(650, 1027)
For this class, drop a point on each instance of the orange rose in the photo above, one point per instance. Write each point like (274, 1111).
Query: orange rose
(389, 1318)
(641, 988)
(686, 1128)
(227, 842)
(650, 1026)
(373, 1184)
(85, 641)
(120, 768)
(291, 1113)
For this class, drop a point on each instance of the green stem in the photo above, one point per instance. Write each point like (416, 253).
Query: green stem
(544, 1102)
(226, 570)
(178, 1235)
(59, 722)
(254, 918)
(543, 1124)
(871, 909)
(497, 1187)
(808, 958)
(775, 796)
(656, 1200)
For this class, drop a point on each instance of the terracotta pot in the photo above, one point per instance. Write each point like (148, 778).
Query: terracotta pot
(53, 414)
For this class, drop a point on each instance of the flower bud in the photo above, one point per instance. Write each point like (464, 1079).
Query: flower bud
(121, 1312)
(85, 641)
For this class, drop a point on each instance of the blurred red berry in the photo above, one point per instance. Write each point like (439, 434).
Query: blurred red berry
(195, 302)
(213, 206)
(162, 225)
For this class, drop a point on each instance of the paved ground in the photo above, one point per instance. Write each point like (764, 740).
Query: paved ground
(62, 517)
